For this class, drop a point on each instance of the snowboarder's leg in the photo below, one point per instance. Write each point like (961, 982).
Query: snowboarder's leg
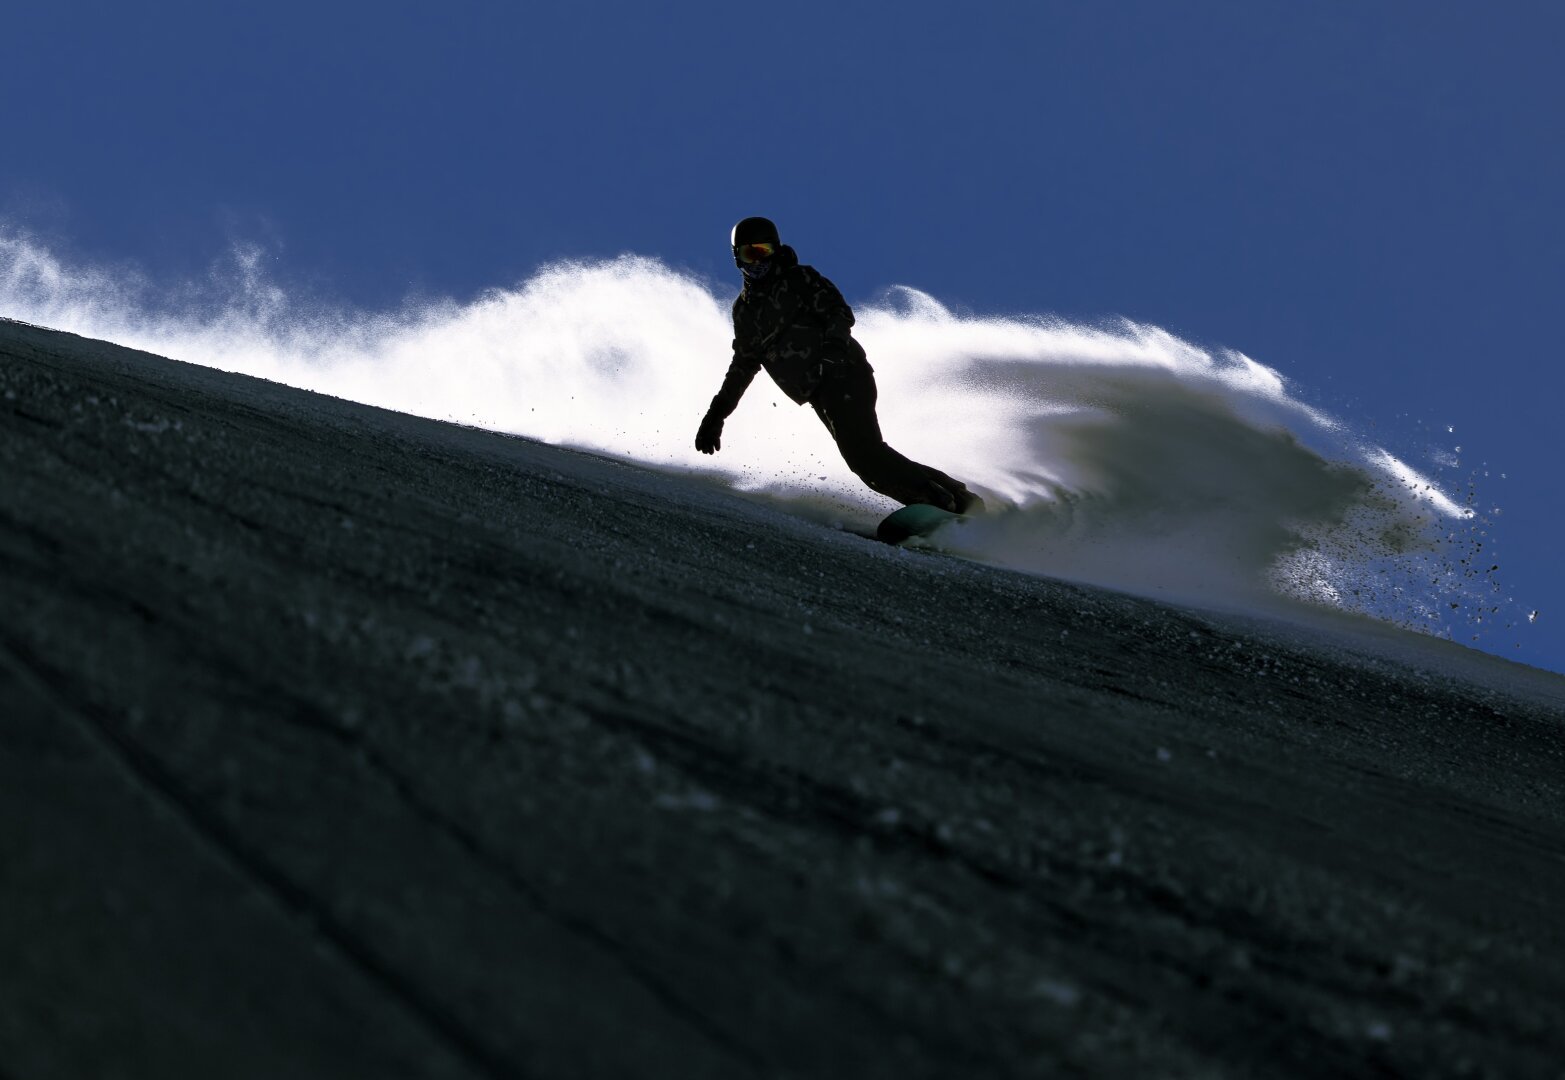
(845, 402)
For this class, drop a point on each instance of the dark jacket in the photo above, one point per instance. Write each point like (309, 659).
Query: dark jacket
(795, 324)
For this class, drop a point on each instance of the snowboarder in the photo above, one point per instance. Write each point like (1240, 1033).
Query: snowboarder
(793, 322)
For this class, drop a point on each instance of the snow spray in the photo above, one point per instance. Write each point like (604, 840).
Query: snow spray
(1117, 454)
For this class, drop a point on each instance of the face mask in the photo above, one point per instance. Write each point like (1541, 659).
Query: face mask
(755, 271)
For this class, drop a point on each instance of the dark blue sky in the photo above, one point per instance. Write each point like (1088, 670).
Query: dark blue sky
(1365, 197)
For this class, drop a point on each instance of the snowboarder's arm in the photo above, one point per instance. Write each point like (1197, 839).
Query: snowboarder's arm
(828, 307)
(740, 373)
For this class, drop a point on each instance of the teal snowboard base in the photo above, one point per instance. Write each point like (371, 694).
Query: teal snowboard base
(911, 521)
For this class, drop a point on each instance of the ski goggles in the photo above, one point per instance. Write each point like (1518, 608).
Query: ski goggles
(754, 253)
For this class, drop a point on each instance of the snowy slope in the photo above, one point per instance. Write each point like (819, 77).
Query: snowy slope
(343, 743)
(1116, 455)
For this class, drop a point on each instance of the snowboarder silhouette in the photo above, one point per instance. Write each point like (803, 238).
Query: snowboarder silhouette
(793, 322)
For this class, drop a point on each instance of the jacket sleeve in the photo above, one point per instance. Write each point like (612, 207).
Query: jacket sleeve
(828, 307)
(740, 372)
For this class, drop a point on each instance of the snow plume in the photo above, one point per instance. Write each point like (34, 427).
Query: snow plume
(1118, 455)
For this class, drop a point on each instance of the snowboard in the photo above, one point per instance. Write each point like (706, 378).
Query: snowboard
(916, 520)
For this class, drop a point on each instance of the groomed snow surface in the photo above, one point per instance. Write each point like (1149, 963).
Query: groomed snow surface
(338, 742)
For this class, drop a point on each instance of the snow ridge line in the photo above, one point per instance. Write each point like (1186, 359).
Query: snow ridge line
(147, 775)
(31, 326)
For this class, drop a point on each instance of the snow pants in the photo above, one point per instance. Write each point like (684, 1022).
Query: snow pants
(845, 402)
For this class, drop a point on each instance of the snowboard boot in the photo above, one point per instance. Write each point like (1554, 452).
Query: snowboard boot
(940, 496)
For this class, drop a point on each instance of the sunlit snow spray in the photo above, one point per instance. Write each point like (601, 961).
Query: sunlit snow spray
(1118, 455)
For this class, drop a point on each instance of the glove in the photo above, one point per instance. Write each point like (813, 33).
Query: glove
(709, 437)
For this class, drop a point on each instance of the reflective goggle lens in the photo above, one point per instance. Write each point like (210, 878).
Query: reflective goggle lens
(754, 253)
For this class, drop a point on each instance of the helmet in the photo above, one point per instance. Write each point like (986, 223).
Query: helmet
(754, 230)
